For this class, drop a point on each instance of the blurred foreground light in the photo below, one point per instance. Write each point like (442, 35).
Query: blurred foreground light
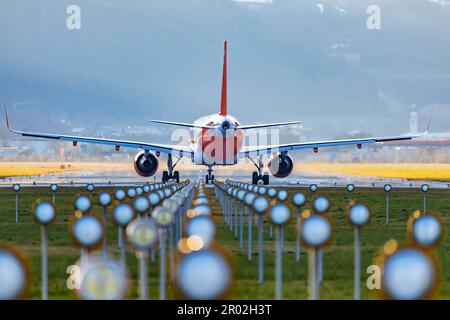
(14, 279)
(83, 203)
(88, 231)
(104, 199)
(282, 195)
(298, 199)
(162, 216)
(426, 230)
(44, 213)
(203, 227)
(154, 198)
(119, 195)
(271, 192)
(141, 204)
(204, 275)
(194, 243)
(409, 274)
(202, 210)
(316, 231)
(321, 204)
(123, 214)
(279, 214)
(358, 214)
(142, 234)
(131, 193)
(201, 200)
(103, 279)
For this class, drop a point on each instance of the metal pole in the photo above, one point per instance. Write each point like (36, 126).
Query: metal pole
(236, 223)
(261, 252)
(424, 203)
(249, 220)
(162, 266)
(53, 197)
(241, 228)
(119, 238)
(143, 274)
(278, 266)
(349, 197)
(104, 237)
(297, 250)
(387, 207)
(180, 223)
(320, 266)
(313, 288)
(230, 213)
(271, 231)
(44, 237)
(357, 279)
(171, 255)
(152, 253)
(177, 228)
(17, 207)
(123, 249)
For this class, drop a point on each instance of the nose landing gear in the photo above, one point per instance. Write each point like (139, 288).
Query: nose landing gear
(209, 178)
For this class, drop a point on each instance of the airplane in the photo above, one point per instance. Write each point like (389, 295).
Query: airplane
(218, 142)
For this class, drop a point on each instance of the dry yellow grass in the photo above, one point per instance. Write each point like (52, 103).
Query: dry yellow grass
(425, 171)
(420, 171)
(11, 169)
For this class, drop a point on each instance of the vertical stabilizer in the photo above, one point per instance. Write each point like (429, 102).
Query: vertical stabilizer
(223, 101)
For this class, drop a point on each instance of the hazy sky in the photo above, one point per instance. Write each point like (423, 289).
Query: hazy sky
(314, 61)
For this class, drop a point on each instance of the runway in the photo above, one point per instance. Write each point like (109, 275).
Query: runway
(129, 178)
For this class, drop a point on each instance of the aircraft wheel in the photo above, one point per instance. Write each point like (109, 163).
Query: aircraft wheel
(165, 176)
(206, 179)
(176, 176)
(255, 177)
(265, 178)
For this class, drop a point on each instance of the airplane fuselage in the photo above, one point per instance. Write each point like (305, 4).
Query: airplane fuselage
(219, 145)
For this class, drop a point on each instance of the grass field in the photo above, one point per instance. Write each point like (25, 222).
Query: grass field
(338, 259)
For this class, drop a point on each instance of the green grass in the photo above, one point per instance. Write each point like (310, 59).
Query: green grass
(338, 259)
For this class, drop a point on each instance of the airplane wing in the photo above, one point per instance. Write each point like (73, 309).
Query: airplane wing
(270, 149)
(168, 149)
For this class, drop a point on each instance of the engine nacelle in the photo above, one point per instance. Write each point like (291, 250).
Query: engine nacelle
(145, 165)
(281, 168)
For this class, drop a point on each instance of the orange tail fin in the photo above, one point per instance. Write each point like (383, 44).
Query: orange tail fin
(223, 101)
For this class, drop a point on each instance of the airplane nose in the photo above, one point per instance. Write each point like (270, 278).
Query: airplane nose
(226, 125)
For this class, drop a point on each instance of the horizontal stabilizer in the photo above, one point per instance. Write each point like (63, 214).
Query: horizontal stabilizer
(267, 125)
(180, 124)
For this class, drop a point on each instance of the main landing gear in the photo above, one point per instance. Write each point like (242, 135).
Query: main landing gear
(170, 174)
(259, 176)
(209, 178)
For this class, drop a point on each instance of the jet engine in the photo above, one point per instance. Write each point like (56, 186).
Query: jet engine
(146, 165)
(281, 166)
